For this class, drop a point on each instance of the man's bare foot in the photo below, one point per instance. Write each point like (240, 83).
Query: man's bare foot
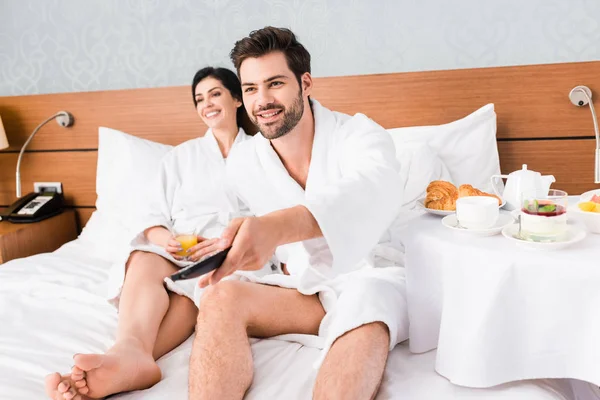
(63, 388)
(124, 367)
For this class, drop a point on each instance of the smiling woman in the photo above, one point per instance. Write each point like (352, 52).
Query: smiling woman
(217, 93)
(136, 282)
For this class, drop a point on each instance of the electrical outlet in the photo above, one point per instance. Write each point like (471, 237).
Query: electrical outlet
(40, 187)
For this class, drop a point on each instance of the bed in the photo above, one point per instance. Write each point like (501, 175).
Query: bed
(53, 305)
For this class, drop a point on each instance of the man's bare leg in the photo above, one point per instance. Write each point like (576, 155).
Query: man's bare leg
(354, 366)
(130, 364)
(230, 312)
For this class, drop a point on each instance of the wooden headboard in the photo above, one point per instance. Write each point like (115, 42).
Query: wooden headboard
(537, 124)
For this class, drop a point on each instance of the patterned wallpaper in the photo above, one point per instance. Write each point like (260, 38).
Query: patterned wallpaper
(51, 46)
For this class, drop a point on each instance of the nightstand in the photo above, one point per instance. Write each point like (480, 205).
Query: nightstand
(22, 240)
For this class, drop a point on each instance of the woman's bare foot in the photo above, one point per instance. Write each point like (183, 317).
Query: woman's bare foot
(124, 367)
(63, 388)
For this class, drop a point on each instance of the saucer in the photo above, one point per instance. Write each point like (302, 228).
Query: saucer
(574, 235)
(503, 220)
(443, 213)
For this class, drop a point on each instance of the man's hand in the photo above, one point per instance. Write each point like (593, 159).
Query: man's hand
(253, 241)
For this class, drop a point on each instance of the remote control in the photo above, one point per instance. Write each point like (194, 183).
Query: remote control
(201, 267)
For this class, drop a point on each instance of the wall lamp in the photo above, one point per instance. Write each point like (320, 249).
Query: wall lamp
(580, 96)
(63, 119)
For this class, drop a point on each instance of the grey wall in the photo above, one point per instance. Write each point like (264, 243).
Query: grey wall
(81, 45)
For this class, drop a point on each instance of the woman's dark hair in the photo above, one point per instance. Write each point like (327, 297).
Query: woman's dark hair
(231, 82)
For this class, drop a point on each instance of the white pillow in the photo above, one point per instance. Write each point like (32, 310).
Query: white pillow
(127, 169)
(467, 146)
(126, 177)
(419, 165)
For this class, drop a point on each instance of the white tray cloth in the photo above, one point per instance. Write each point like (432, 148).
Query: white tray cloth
(498, 312)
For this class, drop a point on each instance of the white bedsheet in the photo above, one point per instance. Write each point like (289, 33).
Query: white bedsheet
(53, 305)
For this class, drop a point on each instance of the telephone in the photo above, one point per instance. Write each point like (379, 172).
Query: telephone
(34, 207)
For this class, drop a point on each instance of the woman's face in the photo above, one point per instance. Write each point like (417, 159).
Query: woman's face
(215, 105)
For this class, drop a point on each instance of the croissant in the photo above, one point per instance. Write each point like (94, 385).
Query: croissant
(468, 190)
(445, 203)
(441, 195)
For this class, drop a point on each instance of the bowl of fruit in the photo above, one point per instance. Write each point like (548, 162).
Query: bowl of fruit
(589, 210)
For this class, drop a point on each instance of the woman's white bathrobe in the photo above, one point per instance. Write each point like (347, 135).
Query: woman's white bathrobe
(354, 192)
(191, 196)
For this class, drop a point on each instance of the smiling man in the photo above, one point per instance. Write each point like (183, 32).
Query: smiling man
(324, 188)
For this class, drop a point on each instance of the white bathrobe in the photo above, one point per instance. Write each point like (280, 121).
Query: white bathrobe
(190, 196)
(354, 192)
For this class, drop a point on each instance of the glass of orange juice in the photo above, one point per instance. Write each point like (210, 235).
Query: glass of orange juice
(187, 240)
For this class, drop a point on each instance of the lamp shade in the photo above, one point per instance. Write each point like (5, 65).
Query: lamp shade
(3, 138)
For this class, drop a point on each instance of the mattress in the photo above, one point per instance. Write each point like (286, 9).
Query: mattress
(53, 305)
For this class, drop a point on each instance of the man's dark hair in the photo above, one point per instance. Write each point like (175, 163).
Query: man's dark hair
(268, 40)
(231, 83)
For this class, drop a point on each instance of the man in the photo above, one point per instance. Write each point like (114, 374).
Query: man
(325, 189)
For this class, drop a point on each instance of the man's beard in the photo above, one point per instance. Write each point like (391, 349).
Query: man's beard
(291, 117)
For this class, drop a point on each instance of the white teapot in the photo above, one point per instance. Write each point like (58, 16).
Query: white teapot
(517, 182)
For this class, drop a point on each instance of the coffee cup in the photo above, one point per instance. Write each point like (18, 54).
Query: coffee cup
(477, 212)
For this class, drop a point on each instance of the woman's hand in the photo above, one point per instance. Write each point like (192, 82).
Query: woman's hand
(161, 236)
(173, 247)
(204, 247)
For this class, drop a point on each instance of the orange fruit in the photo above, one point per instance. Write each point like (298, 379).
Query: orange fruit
(587, 206)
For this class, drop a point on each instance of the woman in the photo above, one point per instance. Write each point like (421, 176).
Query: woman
(194, 199)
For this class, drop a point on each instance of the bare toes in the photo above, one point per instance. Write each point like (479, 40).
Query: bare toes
(80, 384)
(51, 383)
(64, 386)
(77, 373)
(84, 390)
(71, 394)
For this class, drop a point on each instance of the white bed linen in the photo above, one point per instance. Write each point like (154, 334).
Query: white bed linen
(53, 305)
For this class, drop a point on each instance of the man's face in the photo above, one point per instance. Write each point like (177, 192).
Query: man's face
(272, 96)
